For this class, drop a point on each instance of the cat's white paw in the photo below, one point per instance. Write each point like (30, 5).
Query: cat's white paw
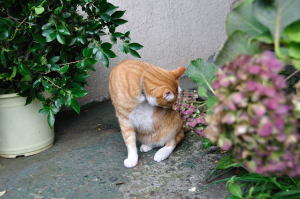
(130, 162)
(145, 148)
(163, 153)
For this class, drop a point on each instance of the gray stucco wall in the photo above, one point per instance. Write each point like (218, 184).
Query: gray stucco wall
(173, 33)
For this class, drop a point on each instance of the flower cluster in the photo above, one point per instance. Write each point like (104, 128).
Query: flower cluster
(192, 110)
(254, 116)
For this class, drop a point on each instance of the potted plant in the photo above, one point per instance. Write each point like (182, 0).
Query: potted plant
(46, 51)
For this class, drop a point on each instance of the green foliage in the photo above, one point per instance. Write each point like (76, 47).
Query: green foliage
(48, 47)
(255, 25)
(203, 74)
(247, 185)
(236, 44)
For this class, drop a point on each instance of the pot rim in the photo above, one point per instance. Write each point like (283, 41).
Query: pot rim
(11, 95)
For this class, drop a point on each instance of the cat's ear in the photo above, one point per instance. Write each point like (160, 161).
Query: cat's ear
(168, 95)
(178, 72)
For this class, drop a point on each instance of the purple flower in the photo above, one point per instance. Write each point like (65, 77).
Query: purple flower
(229, 118)
(259, 109)
(251, 85)
(265, 130)
(279, 123)
(254, 69)
(200, 132)
(271, 103)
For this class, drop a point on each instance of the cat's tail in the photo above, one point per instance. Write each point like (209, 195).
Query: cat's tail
(179, 136)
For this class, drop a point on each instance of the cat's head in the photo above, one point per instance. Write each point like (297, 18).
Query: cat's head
(162, 86)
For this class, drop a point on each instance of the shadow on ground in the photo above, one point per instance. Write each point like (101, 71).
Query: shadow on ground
(86, 161)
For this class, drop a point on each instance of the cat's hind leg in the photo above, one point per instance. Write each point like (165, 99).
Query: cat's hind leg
(165, 151)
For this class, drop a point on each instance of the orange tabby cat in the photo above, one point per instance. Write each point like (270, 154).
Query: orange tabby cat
(143, 96)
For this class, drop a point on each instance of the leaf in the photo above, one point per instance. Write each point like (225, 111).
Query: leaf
(37, 83)
(14, 73)
(51, 119)
(87, 52)
(211, 102)
(134, 53)
(23, 70)
(117, 34)
(75, 106)
(105, 17)
(227, 162)
(60, 39)
(202, 91)
(58, 10)
(235, 189)
(63, 30)
(118, 14)
(77, 92)
(109, 53)
(263, 38)
(50, 34)
(289, 194)
(3, 59)
(64, 69)
(106, 45)
(206, 143)
(119, 21)
(66, 15)
(39, 10)
(241, 18)
(105, 61)
(294, 50)
(235, 45)
(89, 61)
(277, 14)
(293, 31)
(202, 73)
(135, 46)
(54, 59)
(46, 26)
(4, 34)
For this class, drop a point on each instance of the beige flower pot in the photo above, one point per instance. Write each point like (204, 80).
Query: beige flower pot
(23, 131)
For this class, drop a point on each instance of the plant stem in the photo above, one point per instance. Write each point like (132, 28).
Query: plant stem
(291, 75)
(73, 62)
(51, 82)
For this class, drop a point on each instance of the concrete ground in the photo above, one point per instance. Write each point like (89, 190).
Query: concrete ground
(86, 162)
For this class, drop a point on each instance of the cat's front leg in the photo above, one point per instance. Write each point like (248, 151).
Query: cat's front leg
(129, 137)
(165, 151)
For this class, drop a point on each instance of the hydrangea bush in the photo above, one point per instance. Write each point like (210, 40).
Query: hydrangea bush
(192, 110)
(254, 116)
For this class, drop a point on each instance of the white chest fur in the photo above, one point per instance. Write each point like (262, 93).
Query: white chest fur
(141, 117)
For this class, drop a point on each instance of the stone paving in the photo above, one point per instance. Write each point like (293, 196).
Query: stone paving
(86, 162)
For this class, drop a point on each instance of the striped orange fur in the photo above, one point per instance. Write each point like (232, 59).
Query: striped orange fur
(143, 96)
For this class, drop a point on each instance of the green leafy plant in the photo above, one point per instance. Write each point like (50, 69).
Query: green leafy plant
(48, 47)
(256, 25)
(252, 27)
(247, 185)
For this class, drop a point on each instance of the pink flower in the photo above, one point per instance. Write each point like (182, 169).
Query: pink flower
(251, 85)
(265, 130)
(259, 109)
(229, 118)
(200, 132)
(254, 69)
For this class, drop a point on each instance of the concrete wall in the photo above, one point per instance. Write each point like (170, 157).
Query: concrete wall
(173, 33)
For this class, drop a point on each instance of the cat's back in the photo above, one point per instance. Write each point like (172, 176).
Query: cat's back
(125, 82)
